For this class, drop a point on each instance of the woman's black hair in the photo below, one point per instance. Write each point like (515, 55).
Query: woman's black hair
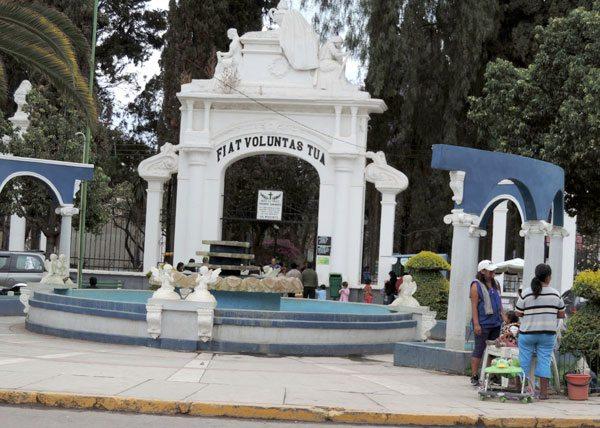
(481, 278)
(542, 272)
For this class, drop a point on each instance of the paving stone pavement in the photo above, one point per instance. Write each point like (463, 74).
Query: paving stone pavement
(33, 362)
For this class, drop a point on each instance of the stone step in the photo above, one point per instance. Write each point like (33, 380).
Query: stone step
(225, 255)
(228, 243)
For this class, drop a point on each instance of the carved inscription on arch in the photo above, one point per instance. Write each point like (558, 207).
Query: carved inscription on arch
(260, 142)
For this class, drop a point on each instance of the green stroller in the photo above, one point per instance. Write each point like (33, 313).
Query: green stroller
(508, 368)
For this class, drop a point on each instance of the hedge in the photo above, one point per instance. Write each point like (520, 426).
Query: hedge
(432, 286)
(427, 260)
(587, 285)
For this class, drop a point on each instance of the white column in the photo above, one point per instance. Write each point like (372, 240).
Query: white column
(339, 240)
(569, 248)
(43, 241)
(534, 233)
(555, 257)
(499, 236)
(386, 233)
(66, 212)
(152, 231)
(464, 266)
(197, 160)
(16, 235)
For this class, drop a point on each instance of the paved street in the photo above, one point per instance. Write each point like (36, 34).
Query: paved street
(32, 362)
(27, 417)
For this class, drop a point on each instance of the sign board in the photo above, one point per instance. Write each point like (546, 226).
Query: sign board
(322, 260)
(269, 205)
(323, 247)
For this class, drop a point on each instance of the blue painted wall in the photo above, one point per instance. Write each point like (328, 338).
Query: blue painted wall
(538, 185)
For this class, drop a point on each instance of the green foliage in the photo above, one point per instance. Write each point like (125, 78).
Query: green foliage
(551, 109)
(427, 260)
(582, 337)
(432, 291)
(424, 58)
(45, 41)
(587, 285)
(432, 287)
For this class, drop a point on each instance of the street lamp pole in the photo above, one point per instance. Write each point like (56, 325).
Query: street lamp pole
(86, 154)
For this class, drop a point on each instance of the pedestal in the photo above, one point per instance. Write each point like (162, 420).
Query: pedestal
(386, 234)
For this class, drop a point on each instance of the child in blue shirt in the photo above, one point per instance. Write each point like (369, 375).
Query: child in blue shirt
(322, 292)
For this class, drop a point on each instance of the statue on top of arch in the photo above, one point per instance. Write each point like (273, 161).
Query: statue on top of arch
(301, 50)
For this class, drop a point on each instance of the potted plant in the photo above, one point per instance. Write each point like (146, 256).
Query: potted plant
(582, 336)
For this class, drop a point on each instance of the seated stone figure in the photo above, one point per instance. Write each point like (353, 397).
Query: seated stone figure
(408, 288)
(332, 66)
(226, 72)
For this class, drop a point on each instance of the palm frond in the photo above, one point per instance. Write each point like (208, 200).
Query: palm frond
(21, 15)
(65, 25)
(3, 83)
(60, 73)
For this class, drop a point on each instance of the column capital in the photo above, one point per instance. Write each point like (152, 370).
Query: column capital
(557, 232)
(476, 232)
(460, 218)
(534, 227)
(67, 211)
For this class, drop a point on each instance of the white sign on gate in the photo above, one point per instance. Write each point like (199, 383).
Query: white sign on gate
(269, 205)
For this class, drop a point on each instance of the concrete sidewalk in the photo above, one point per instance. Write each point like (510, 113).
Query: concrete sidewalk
(37, 363)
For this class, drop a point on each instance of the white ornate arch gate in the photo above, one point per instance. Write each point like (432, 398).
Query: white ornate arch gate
(259, 103)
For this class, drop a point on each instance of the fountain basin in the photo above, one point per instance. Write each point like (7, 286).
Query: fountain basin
(299, 327)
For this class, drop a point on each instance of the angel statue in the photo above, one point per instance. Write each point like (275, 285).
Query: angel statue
(407, 289)
(269, 272)
(54, 274)
(206, 276)
(164, 276)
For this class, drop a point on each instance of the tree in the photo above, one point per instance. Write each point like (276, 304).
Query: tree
(425, 58)
(46, 41)
(52, 134)
(551, 109)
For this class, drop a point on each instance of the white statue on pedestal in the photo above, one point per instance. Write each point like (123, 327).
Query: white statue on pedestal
(57, 271)
(226, 71)
(206, 276)
(408, 288)
(164, 276)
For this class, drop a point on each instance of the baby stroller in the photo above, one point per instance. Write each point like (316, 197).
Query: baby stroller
(505, 368)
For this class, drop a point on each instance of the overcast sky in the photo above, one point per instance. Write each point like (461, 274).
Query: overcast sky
(125, 93)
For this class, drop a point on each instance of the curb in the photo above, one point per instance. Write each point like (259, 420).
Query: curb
(279, 413)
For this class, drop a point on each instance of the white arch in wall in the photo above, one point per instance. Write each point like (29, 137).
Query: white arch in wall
(35, 175)
(501, 198)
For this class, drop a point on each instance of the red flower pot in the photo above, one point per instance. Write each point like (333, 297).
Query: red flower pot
(578, 386)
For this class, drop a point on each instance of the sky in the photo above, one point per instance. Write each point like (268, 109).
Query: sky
(125, 93)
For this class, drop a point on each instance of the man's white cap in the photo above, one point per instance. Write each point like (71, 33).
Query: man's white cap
(487, 265)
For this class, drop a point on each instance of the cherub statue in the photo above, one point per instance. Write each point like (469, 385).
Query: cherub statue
(63, 269)
(408, 288)
(206, 276)
(164, 276)
(54, 272)
(269, 272)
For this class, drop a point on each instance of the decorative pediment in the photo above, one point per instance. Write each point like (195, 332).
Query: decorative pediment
(160, 166)
(384, 176)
